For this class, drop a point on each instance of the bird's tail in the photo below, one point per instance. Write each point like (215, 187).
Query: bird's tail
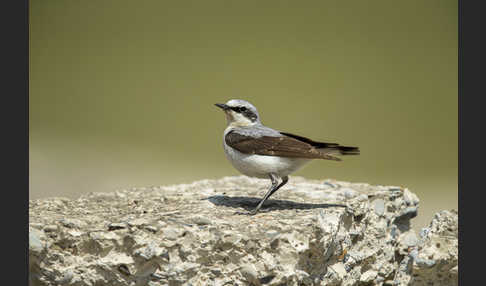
(347, 150)
(341, 150)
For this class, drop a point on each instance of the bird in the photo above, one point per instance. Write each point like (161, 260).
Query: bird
(256, 150)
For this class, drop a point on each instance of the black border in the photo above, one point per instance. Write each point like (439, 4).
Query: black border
(471, 77)
(14, 23)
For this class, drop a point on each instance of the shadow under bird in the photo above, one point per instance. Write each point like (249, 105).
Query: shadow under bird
(262, 152)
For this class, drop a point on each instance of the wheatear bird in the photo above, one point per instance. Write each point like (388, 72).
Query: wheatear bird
(259, 151)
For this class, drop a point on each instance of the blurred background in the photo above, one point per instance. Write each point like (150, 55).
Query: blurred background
(122, 92)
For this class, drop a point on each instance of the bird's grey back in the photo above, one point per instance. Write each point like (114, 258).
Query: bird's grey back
(256, 131)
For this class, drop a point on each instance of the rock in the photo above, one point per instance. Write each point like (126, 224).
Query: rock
(249, 272)
(37, 252)
(65, 277)
(138, 222)
(171, 233)
(379, 206)
(199, 220)
(35, 240)
(115, 226)
(436, 259)
(150, 228)
(410, 198)
(309, 233)
(407, 214)
(409, 239)
(339, 269)
(368, 276)
(50, 228)
(72, 223)
(348, 193)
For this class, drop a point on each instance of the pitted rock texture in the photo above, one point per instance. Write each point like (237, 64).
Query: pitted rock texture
(310, 232)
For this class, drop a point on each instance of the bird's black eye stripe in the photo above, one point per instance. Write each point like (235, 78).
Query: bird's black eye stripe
(245, 111)
(239, 109)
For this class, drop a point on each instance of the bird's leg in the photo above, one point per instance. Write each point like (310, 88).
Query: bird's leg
(284, 181)
(275, 186)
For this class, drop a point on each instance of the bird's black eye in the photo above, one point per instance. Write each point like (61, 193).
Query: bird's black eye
(243, 108)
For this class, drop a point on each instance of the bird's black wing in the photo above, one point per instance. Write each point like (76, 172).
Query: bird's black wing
(283, 146)
(339, 149)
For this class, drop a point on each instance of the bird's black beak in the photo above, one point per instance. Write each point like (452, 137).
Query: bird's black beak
(222, 106)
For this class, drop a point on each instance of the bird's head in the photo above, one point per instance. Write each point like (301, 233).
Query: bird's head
(240, 112)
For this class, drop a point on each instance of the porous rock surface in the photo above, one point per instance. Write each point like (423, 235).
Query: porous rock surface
(310, 232)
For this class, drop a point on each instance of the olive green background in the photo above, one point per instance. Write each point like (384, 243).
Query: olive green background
(122, 92)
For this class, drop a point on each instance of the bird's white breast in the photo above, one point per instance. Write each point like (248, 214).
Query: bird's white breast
(260, 165)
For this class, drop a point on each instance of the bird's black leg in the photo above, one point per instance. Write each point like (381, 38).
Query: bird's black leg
(275, 186)
(284, 181)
